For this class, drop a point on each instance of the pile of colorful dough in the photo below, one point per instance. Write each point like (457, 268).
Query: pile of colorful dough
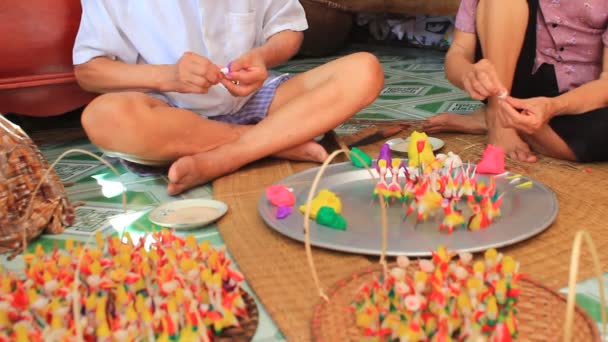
(442, 300)
(162, 288)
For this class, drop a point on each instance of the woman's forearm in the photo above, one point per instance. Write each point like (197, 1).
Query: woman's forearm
(456, 66)
(590, 96)
(460, 57)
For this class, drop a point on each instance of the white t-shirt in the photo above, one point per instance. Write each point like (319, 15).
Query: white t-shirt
(161, 31)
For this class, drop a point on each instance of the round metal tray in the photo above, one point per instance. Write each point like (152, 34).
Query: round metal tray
(525, 213)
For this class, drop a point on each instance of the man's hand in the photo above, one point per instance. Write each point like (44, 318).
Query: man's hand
(482, 81)
(247, 74)
(192, 74)
(526, 115)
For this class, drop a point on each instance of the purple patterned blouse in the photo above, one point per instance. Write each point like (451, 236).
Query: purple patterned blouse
(570, 34)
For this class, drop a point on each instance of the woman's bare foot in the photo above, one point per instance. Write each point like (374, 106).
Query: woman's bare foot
(474, 123)
(508, 139)
(190, 171)
(512, 144)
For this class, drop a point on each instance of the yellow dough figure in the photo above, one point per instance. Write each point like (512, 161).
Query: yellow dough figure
(426, 157)
(325, 198)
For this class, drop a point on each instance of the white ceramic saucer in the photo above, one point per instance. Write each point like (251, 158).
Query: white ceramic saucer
(188, 214)
(400, 145)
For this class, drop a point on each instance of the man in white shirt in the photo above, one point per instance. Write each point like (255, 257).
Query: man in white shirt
(187, 82)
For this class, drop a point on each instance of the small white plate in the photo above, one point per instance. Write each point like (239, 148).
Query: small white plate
(400, 145)
(136, 160)
(188, 214)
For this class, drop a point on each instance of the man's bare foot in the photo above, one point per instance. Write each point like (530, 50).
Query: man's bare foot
(190, 171)
(512, 145)
(309, 151)
(473, 123)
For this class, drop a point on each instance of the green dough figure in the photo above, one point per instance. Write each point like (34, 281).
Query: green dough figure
(367, 159)
(328, 217)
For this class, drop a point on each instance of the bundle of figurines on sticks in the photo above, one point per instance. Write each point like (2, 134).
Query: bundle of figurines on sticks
(442, 299)
(434, 184)
(162, 288)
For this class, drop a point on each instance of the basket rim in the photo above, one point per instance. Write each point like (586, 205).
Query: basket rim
(248, 325)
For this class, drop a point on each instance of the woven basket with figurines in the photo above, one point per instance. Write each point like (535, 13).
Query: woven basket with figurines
(450, 297)
(30, 203)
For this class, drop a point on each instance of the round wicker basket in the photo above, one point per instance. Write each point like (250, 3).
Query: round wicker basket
(540, 314)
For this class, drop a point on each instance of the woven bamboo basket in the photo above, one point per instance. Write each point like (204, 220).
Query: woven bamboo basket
(543, 314)
(32, 198)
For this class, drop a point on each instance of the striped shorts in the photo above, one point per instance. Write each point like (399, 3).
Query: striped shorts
(256, 108)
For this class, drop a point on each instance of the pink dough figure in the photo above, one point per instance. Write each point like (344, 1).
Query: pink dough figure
(492, 161)
(279, 195)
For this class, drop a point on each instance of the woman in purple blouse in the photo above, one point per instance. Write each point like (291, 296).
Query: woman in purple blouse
(541, 67)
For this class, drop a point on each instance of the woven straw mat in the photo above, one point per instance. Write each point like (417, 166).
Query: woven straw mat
(276, 266)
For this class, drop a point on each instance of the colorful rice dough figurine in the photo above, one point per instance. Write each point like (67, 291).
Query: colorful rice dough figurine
(479, 219)
(381, 188)
(394, 188)
(425, 202)
(383, 167)
(451, 187)
(467, 184)
(453, 217)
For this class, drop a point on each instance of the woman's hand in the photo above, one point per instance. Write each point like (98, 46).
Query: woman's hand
(482, 81)
(526, 115)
